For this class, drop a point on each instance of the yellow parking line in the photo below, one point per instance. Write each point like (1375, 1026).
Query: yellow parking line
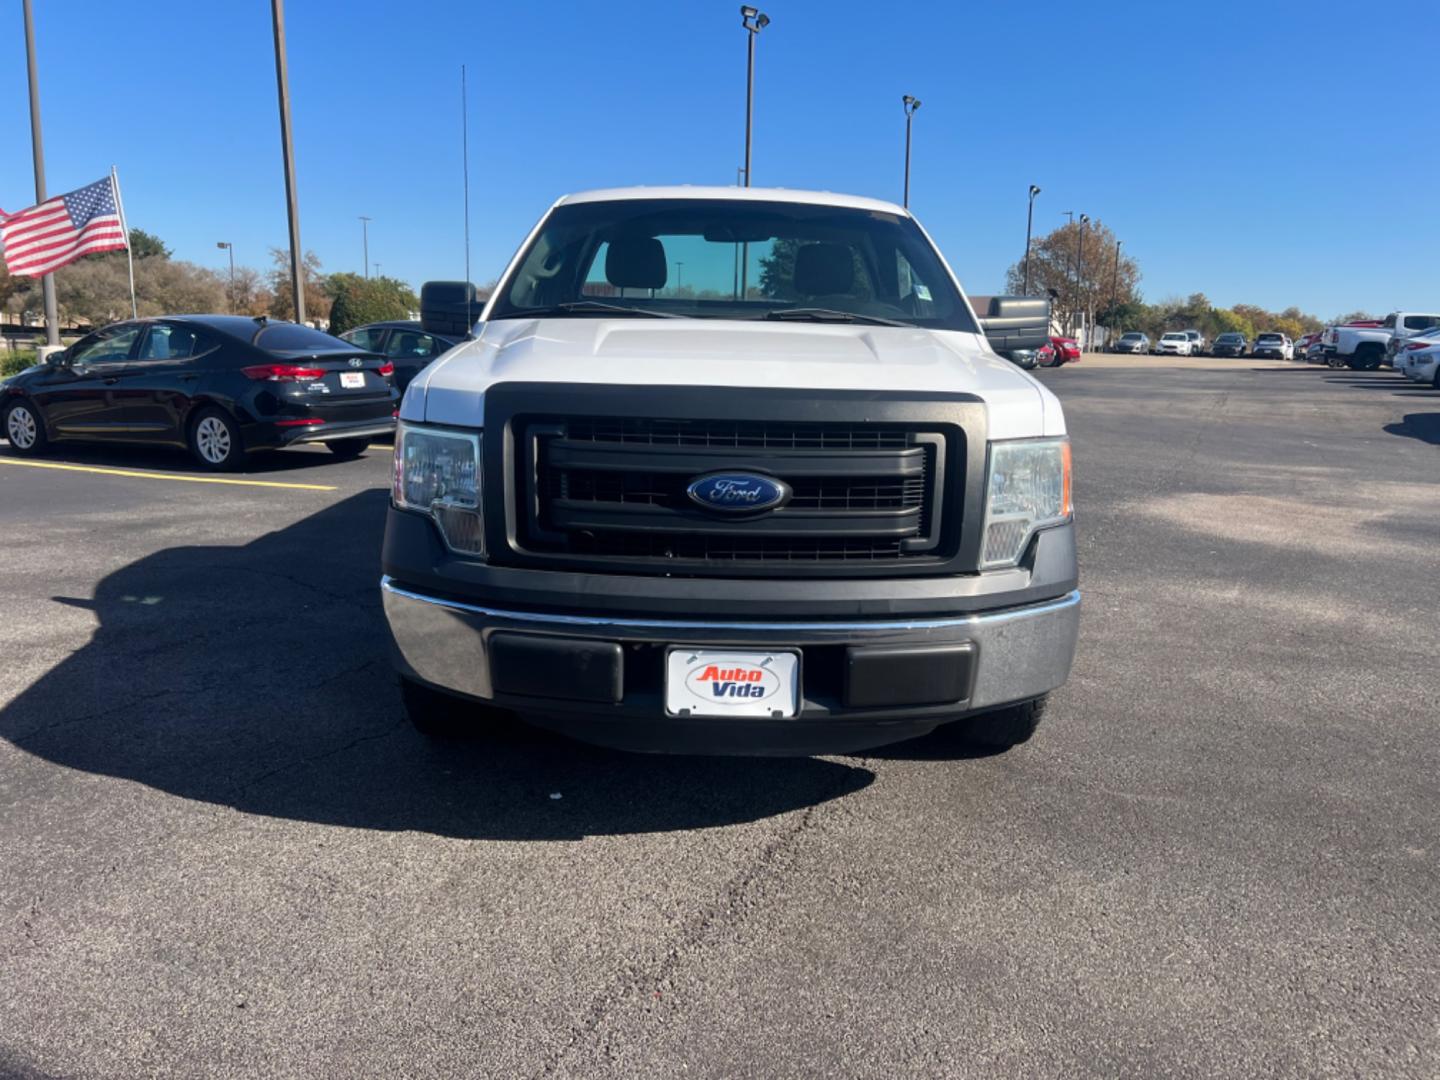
(164, 476)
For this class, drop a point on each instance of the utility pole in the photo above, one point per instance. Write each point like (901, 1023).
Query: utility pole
(47, 282)
(292, 201)
(911, 103)
(1029, 220)
(377, 269)
(365, 239)
(1079, 263)
(231, 249)
(1115, 283)
(1071, 215)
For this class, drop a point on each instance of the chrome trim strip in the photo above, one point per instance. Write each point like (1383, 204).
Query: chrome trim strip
(1070, 600)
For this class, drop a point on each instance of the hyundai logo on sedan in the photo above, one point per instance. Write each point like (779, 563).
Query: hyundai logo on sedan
(356, 361)
(738, 492)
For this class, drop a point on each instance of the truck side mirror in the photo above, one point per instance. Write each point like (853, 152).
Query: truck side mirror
(449, 307)
(1016, 322)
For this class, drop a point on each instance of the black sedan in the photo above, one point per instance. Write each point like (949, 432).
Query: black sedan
(222, 386)
(407, 345)
(1230, 344)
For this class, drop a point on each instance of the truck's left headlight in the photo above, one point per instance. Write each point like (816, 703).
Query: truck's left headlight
(437, 471)
(1027, 488)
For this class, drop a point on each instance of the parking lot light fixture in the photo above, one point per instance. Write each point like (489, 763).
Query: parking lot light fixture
(1029, 221)
(227, 246)
(754, 20)
(911, 103)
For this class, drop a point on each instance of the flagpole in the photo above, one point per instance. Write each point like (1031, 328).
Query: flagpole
(47, 283)
(125, 228)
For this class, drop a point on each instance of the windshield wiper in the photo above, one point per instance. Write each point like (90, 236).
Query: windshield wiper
(586, 307)
(820, 314)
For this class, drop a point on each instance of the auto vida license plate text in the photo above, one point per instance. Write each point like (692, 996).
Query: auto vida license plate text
(709, 682)
(352, 379)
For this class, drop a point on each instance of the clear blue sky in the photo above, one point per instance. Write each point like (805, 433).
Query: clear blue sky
(1270, 153)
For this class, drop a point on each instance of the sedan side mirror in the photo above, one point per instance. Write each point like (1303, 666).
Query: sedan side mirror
(1016, 322)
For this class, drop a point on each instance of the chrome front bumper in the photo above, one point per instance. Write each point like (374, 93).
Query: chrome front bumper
(1019, 653)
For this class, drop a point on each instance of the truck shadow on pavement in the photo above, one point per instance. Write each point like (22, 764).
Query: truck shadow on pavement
(1422, 426)
(257, 677)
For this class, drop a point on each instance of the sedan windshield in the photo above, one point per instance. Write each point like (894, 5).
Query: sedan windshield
(1268, 337)
(732, 259)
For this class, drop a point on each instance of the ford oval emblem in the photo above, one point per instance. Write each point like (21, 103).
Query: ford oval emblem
(738, 492)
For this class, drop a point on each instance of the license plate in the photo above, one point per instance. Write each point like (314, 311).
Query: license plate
(726, 682)
(352, 380)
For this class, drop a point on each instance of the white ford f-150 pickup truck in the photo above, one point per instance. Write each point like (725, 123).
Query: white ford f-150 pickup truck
(736, 471)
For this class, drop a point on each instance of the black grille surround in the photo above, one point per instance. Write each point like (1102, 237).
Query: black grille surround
(594, 479)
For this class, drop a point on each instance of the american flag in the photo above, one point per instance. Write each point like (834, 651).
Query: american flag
(61, 230)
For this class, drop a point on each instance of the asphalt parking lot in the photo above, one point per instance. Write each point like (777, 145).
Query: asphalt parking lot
(224, 853)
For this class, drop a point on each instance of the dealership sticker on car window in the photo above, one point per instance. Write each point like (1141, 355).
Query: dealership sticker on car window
(705, 682)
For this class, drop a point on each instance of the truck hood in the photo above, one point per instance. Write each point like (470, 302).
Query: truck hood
(666, 352)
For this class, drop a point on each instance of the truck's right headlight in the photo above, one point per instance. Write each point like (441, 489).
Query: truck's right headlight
(437, 471)
(1027, 488)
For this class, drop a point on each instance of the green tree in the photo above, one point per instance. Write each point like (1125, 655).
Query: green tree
(282, 305)
(356, 301)
(144, 245)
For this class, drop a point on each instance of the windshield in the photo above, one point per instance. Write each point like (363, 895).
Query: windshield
(282, 337)
(1132, 337)
(1268, 337)
(732, 259)
(1230, 337)
(1176, 337)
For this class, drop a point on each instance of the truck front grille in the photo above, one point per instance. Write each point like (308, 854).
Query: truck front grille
(615, 488)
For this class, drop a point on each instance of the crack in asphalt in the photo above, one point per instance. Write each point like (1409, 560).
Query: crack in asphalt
(738, 899)
(311, 759)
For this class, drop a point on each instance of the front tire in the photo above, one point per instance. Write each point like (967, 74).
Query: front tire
(1007, 727)
(215, 440)
(25, 428)
(438, 715)
(348, 449)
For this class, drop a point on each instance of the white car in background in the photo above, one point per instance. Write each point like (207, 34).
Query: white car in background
(1277, 345)
(1419, 358)
(1176, 343)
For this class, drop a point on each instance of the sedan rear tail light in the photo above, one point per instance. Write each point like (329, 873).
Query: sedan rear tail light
(1419, 345)
(387, 368)
(282, 373)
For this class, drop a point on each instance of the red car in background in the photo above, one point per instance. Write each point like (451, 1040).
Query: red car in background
(1067, 351)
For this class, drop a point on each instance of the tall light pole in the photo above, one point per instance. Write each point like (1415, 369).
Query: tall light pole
(754, 20)
(292, 202)
(911, 104)
(1115, 283)
(377, 269)
(47, 282)
(365, 240)
(227, 246)
(1079, 264)
(1029, 220)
